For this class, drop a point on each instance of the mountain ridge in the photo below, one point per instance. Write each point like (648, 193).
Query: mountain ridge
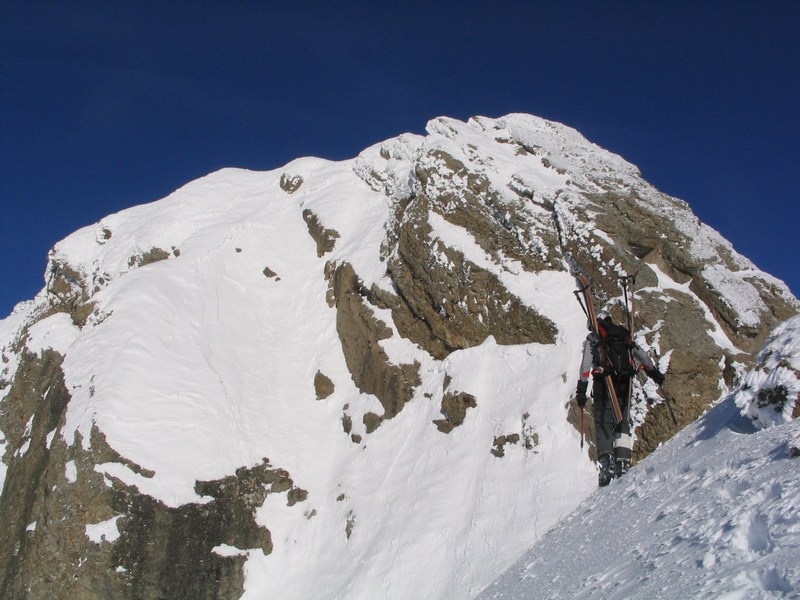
(330, 333)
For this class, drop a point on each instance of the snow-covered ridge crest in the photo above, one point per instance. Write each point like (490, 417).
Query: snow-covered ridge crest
(313, 344)
(769, 394)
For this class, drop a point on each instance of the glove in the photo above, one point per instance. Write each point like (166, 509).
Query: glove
(580, 393)
(656, 376)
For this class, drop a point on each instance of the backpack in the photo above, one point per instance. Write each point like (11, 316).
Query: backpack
(617, 344)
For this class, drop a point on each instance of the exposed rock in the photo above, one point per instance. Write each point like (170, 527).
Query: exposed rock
(499, 444)
(530, 437)
(68, 292)
(444, 302)
(325, 238)
(371, 421)
(636, 234)
(351, 522)
(169, 552)
(504, 230)
(290, 183)
(632, 237)
(454, 409)
(694, 368)
(360, 333)
(146, 258)
(323, 385)
(159, 551)
(347, 423)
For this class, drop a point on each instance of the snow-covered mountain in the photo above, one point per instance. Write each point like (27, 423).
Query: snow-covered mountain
(348, 379)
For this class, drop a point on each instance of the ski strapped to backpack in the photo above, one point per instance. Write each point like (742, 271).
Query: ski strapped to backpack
(584, 296)
(629, 309)
(615, 354)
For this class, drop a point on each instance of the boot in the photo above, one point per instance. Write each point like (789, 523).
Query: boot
(606, 474)
(623, 464)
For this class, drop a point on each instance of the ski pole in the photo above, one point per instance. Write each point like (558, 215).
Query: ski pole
(668, 402)
(582, 411)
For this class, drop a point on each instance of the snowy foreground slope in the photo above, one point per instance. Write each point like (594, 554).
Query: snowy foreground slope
(715, 513)
(351, 379)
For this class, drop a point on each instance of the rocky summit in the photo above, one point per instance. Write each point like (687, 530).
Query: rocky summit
(349, 379)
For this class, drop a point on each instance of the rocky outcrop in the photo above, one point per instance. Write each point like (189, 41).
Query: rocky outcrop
(617, 233)
(324, 238)
(323, 385)
(454, 409)
(444, 302)
(290, 183)
(360, 333)
(465, 197)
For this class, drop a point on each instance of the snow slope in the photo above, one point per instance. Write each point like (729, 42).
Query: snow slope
(197, 365)
(714, 513)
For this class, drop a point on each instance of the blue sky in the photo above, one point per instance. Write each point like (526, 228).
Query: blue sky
(105, 105)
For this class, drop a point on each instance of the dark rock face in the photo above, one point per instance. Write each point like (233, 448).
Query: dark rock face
(445, 304)
(454, 409)
(160, 552)
(367, 362)
(290, 183)
(146, 258)
(169, 552)
(464, 197)
(39, 398)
